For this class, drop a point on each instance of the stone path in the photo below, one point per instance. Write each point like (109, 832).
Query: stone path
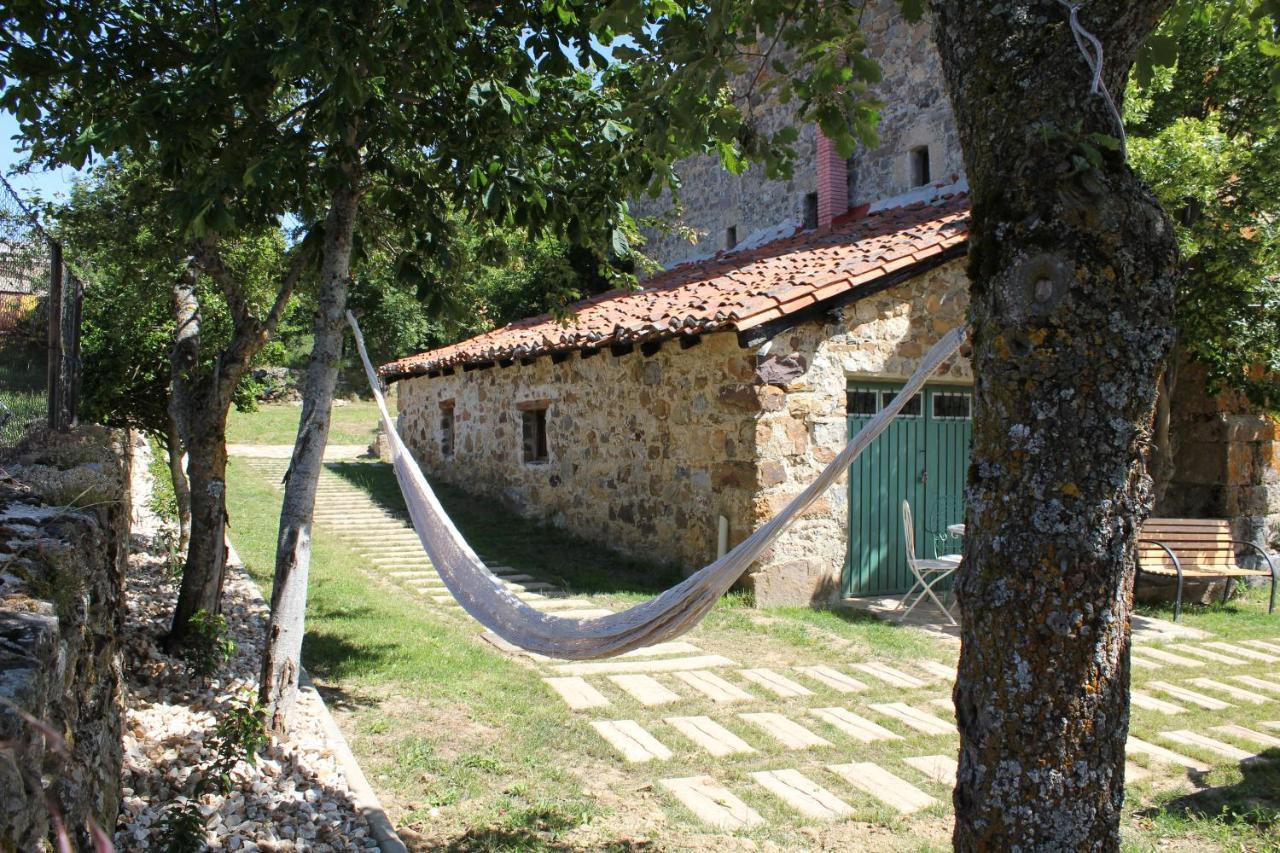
(738, 743)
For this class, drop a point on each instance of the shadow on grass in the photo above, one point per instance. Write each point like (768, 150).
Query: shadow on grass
(501, 536)
(1254, 800)
(331, 656)
(492, 839)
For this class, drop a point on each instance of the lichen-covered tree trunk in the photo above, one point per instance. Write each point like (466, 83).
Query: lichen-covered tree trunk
(1072, 265)
(281, 659)
(176, 453)
(205, 569)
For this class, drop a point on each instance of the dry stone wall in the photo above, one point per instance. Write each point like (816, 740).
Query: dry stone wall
(645, 453)
(64, 540)
(804, 423)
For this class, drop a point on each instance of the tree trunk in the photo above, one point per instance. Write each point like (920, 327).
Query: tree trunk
(1163, 451)
(1072, 265)
(181, 488)
(281, 659)
(205, 569)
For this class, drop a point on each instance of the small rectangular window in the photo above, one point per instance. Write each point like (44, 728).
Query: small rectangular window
(912, 409)
(862, 402)
(534, 434)
(953, 407)
(730, 237)
(446, 429)
(810, 211)
(920, 166)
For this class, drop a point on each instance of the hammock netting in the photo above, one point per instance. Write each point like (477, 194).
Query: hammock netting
(674, 612)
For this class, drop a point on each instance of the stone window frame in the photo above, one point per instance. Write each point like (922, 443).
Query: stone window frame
(448, 428)
(535, 443)
(920, 165)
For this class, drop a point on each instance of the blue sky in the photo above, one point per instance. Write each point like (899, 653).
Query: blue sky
(46, 185)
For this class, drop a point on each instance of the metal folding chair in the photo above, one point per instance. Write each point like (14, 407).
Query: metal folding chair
(928, 573)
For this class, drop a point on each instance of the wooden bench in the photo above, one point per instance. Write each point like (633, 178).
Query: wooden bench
(1199, 548)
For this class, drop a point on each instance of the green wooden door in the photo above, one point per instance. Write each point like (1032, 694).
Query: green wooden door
(920, 458)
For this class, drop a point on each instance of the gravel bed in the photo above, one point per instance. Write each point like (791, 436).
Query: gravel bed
(294, 798)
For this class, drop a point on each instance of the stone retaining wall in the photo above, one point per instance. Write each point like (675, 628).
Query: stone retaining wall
(64, 543)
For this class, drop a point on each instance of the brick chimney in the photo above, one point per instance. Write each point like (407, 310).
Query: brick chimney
(833, 183)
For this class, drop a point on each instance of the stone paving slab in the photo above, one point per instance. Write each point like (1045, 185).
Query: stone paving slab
(543, 603)
(673, 647)
(1148, 702)
(938, 669)
(1166, 657)
(833, 678)
(592, 613)
(714, 687)
(1260, 738)
(1209, 654)
(1270, 724)
(1234, 692)
(712, 804)
(620, 666)
(631, 739)
(1258, 683)
(1164, 756)
(889, 675)
(921, 721)
(1207, 702)
(1245, 652)
(939, 768)
(710, 735)
(853, 725)
(775, 683)
(893, 791)
(645, 689)
(1135, 772)
(802, 794)
(1186, 737)
(1264, 645)
(577, 693)
(1139, 663)
(785, 731)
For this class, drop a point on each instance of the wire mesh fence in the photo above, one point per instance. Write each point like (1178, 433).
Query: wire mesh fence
(40, 305)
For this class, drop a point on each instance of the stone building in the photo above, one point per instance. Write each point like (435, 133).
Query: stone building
(672, 421)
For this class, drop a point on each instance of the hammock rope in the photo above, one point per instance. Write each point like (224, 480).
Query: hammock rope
(663, 617)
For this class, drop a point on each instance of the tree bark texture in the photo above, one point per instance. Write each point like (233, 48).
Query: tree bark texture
(1072, 264)
(281, 659)
(181, 487)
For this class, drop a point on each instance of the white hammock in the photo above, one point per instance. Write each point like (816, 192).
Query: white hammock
(668, 615)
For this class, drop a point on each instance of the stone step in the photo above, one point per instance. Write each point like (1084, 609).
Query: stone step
(1165, 657)
(802, 794)
(1260, 738)
(889, 675)
(1186, 737)
(945, 704)
(1207, 702)
(1148, 702)
(785, 731)
(631, 739)
(592, 613)
(1264, 645)
(714, 687)
(710, 735)
(1258, 683)
(937, 669)
(1270, 724)
(1135, 772)
(853, 725)
(939, 768)
(1164, 756)
(894, 791)
(775, 683)
(577, 693)
(1139, 663)
(645, 689)
(621, 666)
(1244, 652)
(921, 721)
(833, 678)
(1208, 654)
(657, 650)
(543, 603)
(711, 803)
(1234, 692)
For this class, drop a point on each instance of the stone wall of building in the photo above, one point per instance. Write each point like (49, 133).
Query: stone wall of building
(64, 543)
(804, 424)
(645, 452)
(916, 113)
(1226, 461)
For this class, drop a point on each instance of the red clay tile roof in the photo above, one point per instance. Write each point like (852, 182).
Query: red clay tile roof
(737, 291)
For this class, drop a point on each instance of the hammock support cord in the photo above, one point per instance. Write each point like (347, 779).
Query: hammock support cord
(664, 617)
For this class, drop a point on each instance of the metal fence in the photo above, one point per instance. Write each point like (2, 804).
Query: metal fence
(40, 307)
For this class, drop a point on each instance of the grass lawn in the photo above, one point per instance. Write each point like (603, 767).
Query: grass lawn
(470, 750)
(22, 387)
(354, 422)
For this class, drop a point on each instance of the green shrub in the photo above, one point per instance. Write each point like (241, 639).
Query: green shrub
(208, 646)
(238, 736)
(182, 829)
